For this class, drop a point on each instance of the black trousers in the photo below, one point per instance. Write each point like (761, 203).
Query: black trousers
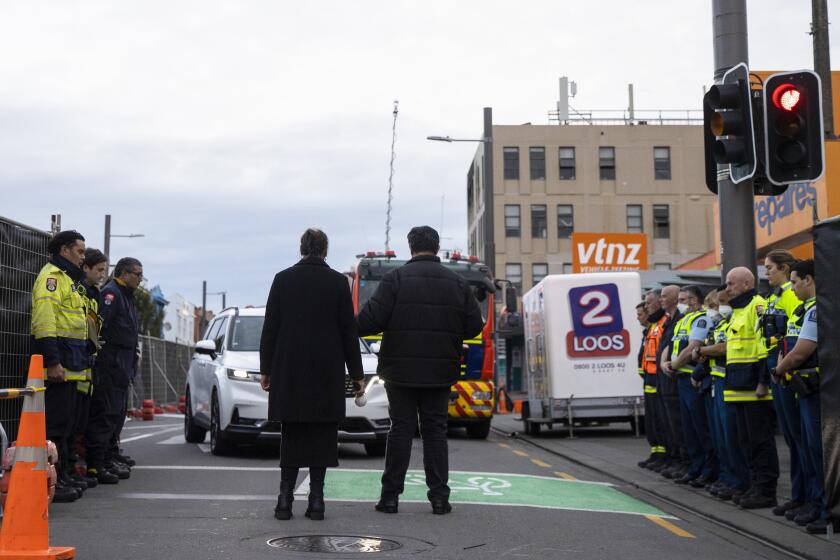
(654, 423)
(669, 398)
(758, 440)
(105, 420)
(60, 407)
(404, 405)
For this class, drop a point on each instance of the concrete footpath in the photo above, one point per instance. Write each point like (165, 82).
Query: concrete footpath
(614, 451)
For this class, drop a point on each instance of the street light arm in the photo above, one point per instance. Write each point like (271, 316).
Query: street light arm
(130, 235)
(449, 139)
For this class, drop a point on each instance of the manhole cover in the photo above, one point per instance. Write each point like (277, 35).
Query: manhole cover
(334, 543)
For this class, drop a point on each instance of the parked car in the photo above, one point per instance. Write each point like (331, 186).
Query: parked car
(224, 396)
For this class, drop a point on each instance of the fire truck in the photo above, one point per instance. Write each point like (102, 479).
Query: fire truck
(472, 399)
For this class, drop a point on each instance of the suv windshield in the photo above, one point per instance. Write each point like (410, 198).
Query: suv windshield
(245, 335)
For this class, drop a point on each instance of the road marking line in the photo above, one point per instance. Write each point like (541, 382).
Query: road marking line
(303, 489)
(541, 463)
(202, 467)
(670, 526)
(268, 498)
(565, 476)
(157, 433)
(504, 445)
(520, 453)
(174, 440)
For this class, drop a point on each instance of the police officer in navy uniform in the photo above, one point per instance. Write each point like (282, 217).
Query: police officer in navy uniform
(115, 369)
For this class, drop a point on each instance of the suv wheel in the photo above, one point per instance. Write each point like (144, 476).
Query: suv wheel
(479, 431)
(219, 445)
(193, 433)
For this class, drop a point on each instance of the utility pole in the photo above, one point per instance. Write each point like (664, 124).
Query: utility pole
(822, 60)
(487, 171)
(107, 244)
(737, 221)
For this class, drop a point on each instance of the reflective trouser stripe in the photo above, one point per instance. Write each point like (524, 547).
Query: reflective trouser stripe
(745, 396)
(650, 390)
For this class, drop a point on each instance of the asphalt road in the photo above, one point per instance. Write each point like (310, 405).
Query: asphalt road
(510, 501)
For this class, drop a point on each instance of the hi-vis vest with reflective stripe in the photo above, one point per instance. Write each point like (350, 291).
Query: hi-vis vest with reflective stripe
(794, 327)
(745, 349)
(718, 335)
(652, 341)
(59, 310)
(680, 338)
(782, 301)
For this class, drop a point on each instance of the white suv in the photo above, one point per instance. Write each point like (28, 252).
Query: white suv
(224, 394)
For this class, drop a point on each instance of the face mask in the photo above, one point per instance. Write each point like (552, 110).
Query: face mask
(725, 311)
(683, 307)
(712, 314)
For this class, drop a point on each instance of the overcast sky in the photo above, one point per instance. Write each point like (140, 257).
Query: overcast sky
(221, 130)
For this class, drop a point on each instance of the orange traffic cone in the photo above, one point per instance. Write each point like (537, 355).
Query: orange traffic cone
(25, 533)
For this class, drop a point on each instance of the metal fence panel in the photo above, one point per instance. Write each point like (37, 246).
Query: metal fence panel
(162, 372)
(23, 252)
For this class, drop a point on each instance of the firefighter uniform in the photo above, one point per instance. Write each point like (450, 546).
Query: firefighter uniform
(746, 367)
(85, 388)
(694, 325)
(60, 331)
(805, 382)
(654, 422)
(781, 304)
(115, 369)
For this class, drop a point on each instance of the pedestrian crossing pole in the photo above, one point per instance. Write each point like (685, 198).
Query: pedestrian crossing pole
(735, 202)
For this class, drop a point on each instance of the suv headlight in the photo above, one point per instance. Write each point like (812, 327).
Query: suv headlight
(482, 396)
(242, 375)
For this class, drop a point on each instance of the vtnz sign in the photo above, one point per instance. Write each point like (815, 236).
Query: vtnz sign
(605, 252)
(597, 327)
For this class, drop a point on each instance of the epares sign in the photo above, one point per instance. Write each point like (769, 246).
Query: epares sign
(605, 252)
(597, 327)
(772, 209)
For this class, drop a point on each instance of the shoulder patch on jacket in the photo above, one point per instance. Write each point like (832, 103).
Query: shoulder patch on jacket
(108, 298)
(52, 284)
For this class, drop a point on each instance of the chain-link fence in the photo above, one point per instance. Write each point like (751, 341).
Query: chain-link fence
(162, 373)
(23, 252)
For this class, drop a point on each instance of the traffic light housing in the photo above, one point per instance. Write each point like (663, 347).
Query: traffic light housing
(793, 124)
(729, 133)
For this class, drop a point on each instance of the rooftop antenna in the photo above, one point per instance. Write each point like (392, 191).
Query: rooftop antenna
(391, 178)
(567, 89)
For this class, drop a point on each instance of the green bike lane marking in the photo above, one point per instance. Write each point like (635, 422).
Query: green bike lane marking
(496, 489)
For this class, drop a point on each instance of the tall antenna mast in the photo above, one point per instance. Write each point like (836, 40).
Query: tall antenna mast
(391, 178)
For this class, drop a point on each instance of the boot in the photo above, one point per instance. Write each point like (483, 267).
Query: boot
(119, 470)
(67, 480)
(283, 511)
(125, 459)
(65, 494)
(388, 504)
(102, 476)
(316, 508)
(440, 505)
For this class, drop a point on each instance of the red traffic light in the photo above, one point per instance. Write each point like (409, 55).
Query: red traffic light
(786, 97)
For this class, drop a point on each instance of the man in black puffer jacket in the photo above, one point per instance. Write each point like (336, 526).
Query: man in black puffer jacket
(425, 313)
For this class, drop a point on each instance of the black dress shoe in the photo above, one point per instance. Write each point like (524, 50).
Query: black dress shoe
(820, 526)
(441, 506)
(781, 509)
(757, 501)
(387, 504)
(125, 459)
(684, 479)
(702, 481)
(65, 494)
(122, 472)
(791, 514)
(103, 476)
(807, 516)
(89, 480)
(283, 511)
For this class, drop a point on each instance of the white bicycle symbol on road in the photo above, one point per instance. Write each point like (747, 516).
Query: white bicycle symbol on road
(488, 486)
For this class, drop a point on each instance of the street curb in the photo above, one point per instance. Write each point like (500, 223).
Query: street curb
(612, 470)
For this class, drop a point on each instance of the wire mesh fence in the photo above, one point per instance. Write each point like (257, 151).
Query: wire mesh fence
(23, 252)
(162, 371)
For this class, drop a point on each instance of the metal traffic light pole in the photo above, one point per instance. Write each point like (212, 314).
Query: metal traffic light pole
(735, 202)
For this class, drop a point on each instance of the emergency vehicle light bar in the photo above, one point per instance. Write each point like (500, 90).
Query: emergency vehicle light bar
(377, 254)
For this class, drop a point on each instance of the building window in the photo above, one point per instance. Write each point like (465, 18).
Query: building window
(567, 268)
(661, 222)
(539, 221)
(513, 220)
(537, 158)
(538, 272)
(662, 266)
(565, 221)
(511, 163)
(662, 163)
(606, 162)
(634, 218)
(513, 273)
(567, 164)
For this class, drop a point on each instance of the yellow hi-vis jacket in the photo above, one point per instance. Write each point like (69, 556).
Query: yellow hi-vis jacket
(682, 330)
(746, 352)
(782, 301)
(60, 323)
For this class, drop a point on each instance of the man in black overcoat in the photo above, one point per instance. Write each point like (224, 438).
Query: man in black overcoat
(425, 312)
(308, 338)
